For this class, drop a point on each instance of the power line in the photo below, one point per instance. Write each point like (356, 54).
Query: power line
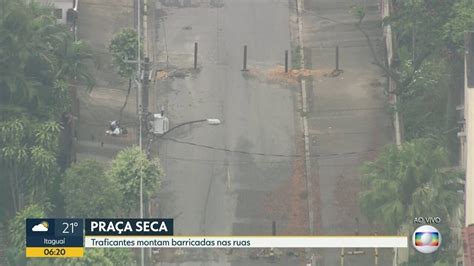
(329, 155)
(244, 162)
(224, 162)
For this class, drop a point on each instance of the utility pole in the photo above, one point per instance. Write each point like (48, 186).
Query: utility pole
(145, 93)
(140, 111)
(144, 86)
(144, 122)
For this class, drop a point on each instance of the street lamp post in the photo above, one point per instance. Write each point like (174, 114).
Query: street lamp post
(210, 121)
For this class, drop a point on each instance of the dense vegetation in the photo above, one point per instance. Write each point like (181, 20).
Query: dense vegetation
(41, 66)
(419, 178)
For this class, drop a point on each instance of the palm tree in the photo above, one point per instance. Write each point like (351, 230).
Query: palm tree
(14, 29)
(410, 181)
(35, 53)
(28, 150)
(74, 59)
(38, 61)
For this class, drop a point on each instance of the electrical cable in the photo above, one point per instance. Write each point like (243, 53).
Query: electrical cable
(330, 155)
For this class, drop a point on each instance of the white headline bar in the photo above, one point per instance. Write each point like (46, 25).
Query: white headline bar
(246, 242)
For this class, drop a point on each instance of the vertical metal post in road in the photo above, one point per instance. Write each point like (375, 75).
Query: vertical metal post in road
(245, 58)
(286, 61)
(272, 250)
(195, 55)
(376, 254)
(342, 257)
(337, 58)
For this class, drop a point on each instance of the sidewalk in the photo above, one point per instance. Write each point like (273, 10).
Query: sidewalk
(347, 120)
(98, 21)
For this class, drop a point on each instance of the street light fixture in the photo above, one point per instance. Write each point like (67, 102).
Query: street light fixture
(160, 124)
(209, 121)
(213, 121)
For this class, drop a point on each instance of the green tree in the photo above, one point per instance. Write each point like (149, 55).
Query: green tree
(38, 61)
(99, 256)
(427, 64)
(28, 151)
(126, 170)
(74, 59)
(20, 29)
(28, 38)
(410, 181)
(417, 26)
(461, 20)
(37, 58)
(124, 50)
(422, 102)
(17, 234)
(89, 192)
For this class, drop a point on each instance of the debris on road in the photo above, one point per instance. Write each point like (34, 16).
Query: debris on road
(163, 74)
(278, 75)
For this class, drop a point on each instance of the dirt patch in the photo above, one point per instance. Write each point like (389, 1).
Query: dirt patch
(277, 74)
(286, 203)
(346, 194)
(163, 74)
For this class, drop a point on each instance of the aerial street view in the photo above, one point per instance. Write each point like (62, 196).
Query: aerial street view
(237, 132)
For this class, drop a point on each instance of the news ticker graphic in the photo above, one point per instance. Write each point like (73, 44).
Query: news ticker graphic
(69, 237)
(65, 237)
(246, 242)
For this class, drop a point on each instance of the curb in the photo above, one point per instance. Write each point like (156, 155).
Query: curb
(307, 153)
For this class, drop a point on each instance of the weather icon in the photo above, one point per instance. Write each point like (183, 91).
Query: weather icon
(42, 227)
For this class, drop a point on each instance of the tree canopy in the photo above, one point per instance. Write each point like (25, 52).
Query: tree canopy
(17, 234)
(89, 192)
(40, 64)
(28, 149)
(37, 57)
(124, 49)
(127, 168)
(429, 53)
(413, 180)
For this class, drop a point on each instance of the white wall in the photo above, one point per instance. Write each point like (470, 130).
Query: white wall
(64, 5)
(469, 130)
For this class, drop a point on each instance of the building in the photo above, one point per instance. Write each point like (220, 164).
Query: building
(467, 148)
(65, 11)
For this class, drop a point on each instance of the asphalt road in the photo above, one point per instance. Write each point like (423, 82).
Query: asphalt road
(348, 118)
(210, 191)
